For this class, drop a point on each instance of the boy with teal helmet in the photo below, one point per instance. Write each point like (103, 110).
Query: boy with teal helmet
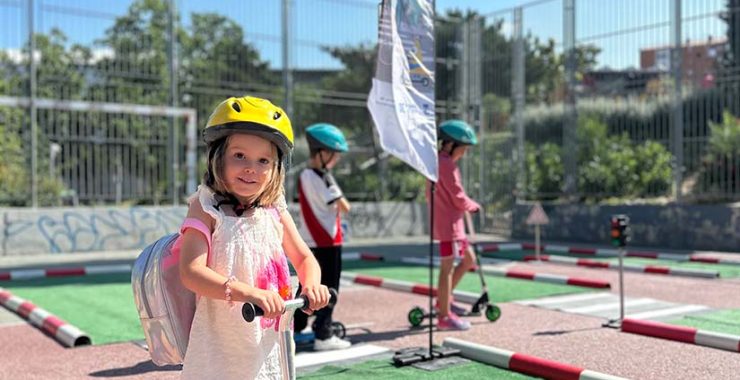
(322, 202)
(450, 205)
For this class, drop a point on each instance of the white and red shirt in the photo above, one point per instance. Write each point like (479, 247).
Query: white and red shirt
(321, 224)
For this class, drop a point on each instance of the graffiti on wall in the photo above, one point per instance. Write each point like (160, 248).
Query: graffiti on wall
(86, 230)
(27, 231)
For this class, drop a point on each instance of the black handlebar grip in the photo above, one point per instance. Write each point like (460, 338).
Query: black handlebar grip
(251, 311)
(333, 296)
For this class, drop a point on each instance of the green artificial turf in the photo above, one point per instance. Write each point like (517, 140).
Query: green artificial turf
(100, 305)
(721, 321)
(500, 289)
(379, 369)
(725, 271)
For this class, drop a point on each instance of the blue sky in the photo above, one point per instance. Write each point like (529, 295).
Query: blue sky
(617, 26)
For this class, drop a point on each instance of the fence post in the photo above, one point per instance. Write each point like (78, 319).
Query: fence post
(32, 106)
(287, 36)
(463, 90)
(517, 92)
(570, 119)
(287, 39)
(677, 114)
(173, 133)
(471, 94)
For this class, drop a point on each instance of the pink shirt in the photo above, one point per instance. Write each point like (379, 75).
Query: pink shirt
(450, 201)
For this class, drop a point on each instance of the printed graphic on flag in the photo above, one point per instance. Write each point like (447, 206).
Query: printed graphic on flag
(401, 100)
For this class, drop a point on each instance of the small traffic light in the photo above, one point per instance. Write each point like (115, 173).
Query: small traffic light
(619, 230)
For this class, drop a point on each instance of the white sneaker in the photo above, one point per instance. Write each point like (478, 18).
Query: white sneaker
(333, 343)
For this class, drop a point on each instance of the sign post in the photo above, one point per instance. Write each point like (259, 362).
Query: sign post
(537, 217)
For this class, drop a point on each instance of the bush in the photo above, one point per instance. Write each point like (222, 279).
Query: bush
(608, 165)
(720, 169)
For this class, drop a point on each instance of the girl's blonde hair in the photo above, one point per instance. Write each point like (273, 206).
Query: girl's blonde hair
(213, 177)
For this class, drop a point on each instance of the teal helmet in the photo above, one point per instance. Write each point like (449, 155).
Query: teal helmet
(326, 136)
(458, 132)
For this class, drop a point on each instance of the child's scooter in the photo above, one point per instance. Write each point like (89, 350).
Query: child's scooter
(417, 315)
(285, 341)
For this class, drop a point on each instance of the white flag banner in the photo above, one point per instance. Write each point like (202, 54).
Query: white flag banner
(401, 100)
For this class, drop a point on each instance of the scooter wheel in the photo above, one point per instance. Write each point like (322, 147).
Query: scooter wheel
(493, 313)
(416, 316)
(338, 329)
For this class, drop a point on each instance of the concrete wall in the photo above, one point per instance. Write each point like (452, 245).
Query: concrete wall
(85, 229)
(689, 227)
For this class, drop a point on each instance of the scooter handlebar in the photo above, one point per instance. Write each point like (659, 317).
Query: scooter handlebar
(251, 311)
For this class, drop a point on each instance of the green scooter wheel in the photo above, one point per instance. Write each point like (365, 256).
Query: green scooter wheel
(493, 313)
(416, 316)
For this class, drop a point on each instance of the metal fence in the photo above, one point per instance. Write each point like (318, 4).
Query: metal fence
(574, 100)
(623, 101)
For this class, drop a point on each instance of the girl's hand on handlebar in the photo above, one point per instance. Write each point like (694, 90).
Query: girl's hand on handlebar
(270, 301)
(318, 297)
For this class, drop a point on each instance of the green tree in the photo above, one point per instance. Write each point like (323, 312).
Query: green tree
(217, 63)
(544, 66)
(730, 61)
(137, 70)
(59, 71)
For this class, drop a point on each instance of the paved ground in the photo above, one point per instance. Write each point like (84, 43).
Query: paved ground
(567, 337)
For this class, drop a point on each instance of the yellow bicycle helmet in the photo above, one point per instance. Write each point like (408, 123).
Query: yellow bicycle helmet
(250, 115)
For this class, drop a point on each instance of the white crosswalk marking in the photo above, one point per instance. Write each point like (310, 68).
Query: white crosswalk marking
(673, 312)
(544, 302)
(606, 305)
(309, 359)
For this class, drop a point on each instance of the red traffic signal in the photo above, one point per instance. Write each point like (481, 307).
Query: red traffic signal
(619, 230)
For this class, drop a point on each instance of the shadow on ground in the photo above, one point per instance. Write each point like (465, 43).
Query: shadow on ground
(138, 368)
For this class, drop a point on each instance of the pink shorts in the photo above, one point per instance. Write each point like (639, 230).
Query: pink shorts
(455, 248)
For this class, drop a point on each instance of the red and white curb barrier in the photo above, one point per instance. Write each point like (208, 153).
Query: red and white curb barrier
(627, 267)
(25, 274)
(405, 286)
(600, 252)
(62, 331)
(682, 334)
(523, 275)
(522, 363)
(606, 252)
(713, 260)
(353, 256)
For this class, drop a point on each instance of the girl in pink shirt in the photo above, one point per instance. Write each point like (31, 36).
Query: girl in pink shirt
(450, 205)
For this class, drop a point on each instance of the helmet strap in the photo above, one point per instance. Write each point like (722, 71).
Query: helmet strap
(321, 158)
(454, 146)
(236, 205)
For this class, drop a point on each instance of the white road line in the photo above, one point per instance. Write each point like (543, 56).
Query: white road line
(565, 299)
(678, 310)
(608, 306)
(308, 359)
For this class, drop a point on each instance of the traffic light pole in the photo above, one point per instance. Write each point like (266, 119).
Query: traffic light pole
(619, 235)
(621, 286)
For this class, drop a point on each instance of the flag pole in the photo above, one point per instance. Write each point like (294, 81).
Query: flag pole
(431, 267)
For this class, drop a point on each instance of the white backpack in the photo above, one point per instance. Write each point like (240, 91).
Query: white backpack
(166, 308)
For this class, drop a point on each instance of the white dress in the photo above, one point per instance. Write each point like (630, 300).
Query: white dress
(222, 345)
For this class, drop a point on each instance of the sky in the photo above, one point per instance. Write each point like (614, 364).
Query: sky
(620, 27)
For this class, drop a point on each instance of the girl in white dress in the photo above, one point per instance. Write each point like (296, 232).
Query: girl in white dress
(241, 204)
